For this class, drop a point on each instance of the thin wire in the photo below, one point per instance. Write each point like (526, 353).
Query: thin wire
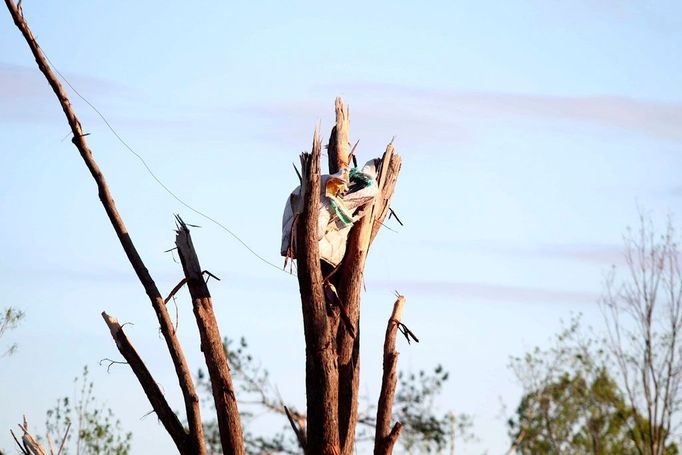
(158, 180)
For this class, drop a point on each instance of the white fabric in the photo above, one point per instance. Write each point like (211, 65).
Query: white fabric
(331, 231)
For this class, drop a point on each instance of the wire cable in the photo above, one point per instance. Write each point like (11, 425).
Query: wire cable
(157, 179)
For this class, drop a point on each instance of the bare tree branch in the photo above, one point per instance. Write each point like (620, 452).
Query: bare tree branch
(300, 432)
(161, 407)
(385, 438)
(643, 316)
(196, 440)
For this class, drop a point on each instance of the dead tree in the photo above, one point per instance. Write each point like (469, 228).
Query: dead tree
(330, 305)
(333, 348)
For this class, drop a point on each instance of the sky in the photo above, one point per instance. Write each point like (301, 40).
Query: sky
(532, 133)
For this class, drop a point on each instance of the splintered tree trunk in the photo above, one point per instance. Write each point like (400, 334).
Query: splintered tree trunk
(333, 347)
(224, 397)
(321, 369)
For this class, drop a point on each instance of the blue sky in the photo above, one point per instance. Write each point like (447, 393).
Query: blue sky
(530, 132)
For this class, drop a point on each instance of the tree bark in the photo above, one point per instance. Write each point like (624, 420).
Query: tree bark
(321, 367)
(349, 285)
(227, 411)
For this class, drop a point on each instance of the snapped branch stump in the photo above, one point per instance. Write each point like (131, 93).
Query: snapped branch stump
(385, 436)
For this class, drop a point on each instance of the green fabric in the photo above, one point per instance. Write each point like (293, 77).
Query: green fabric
(355, 174)
(344, 217)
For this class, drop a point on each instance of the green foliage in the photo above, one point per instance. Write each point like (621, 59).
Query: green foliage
(425, 430)
(573, 415)
(571, 404)
(93, 428)
(9, 320)
(643, 317)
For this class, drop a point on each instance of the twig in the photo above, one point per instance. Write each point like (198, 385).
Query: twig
(300, 434)
(183, 281)
(352, 152)
(66, 433)
(111, 362)
(146, 414)
(210, 275)
(333, 298)
(390, 229)
(406, 332)
(175, 290)
(300, 179)
(394, 215)
(22, 448)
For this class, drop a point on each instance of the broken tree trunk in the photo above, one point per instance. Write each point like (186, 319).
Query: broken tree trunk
(224, 397)
(385, 437)
(345, 281)
(194, 442)
(321, 368)
(348, 282)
